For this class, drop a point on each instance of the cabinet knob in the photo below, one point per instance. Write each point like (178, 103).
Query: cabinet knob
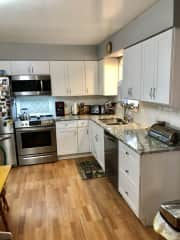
(127, 193)
(127, 171)
(127, 153)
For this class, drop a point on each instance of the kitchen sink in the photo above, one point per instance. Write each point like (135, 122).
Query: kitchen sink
(113, 121)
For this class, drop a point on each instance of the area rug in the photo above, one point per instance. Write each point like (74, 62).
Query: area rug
(89, 168)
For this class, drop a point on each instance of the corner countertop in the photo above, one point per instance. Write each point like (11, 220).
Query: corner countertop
(134, 135)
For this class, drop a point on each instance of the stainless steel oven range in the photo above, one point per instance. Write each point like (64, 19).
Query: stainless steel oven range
(36, 140)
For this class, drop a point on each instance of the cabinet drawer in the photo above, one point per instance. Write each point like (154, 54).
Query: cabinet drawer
(129, 163)
(66, 124)
(83, 123)
(129, 192)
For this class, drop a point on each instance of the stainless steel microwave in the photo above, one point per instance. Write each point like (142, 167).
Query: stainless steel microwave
(30, 85)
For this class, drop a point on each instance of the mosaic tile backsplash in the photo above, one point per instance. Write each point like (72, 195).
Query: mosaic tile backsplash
(46, 104)
(39, 104)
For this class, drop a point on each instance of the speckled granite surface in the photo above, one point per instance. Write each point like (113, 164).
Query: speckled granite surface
(133, 135)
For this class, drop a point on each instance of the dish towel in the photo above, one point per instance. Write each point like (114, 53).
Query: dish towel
(164, 229)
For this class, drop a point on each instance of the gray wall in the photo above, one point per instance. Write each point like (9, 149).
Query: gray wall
(155, 20)
(46, 52)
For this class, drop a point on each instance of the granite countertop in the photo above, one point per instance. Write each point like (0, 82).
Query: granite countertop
(134, 135)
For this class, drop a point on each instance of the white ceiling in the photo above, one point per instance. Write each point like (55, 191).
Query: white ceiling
(65, 21)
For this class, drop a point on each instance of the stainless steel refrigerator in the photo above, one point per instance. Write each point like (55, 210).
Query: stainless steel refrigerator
(6, 122)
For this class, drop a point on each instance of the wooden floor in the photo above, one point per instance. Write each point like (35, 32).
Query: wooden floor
(51, 202)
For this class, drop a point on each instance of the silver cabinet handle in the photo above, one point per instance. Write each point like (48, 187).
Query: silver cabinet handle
(32, 69)
(127, 193)
(70, 91)
(87, 90)
(127, 153)
(29, 69)
(130, 90)
(87, 131)
(154, 93)
(150, 94)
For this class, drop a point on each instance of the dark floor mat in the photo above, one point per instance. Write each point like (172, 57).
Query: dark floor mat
(89, 168)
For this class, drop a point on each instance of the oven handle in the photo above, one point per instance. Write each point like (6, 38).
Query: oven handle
(36, 129)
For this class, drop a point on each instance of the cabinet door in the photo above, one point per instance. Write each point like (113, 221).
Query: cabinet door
(21, 67)
(66, 141)
(101, 77)
(83, 140)
(91, 78)
(110, 77)
(100, 146)
(131, 84)
(5, 65)
(149, 62)
(59, 82)
(40, 67)
(163, 72)
(75, 77)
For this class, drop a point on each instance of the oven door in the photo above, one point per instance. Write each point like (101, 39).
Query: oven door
(36, 140)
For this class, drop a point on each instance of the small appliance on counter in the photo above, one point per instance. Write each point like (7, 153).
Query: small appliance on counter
(60, 110)
(164, 133)
(75, 109)
(95, 109)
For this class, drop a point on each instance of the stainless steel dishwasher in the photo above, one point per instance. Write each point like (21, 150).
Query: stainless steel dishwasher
(111, 158)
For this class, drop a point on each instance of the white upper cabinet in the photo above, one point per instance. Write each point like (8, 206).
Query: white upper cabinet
(29, 67)
(156, 72)
(91, 78)
(74, 78)
(6, 66)
(40, 67)
(149, 63)
(59, 82)
(131, 83)
(75, 72)
(20, 67)
(108, 77)
(149, 70)
(163, 71)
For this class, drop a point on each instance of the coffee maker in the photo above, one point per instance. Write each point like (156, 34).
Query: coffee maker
(60, 112)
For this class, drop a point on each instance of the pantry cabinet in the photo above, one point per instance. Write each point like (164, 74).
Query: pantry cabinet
(108, 77)
(29, 67)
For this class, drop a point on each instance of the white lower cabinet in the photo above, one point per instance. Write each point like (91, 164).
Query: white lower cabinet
(72, 137)
(148, 180)
(97, 143)
(129, 176)
(67, 141)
